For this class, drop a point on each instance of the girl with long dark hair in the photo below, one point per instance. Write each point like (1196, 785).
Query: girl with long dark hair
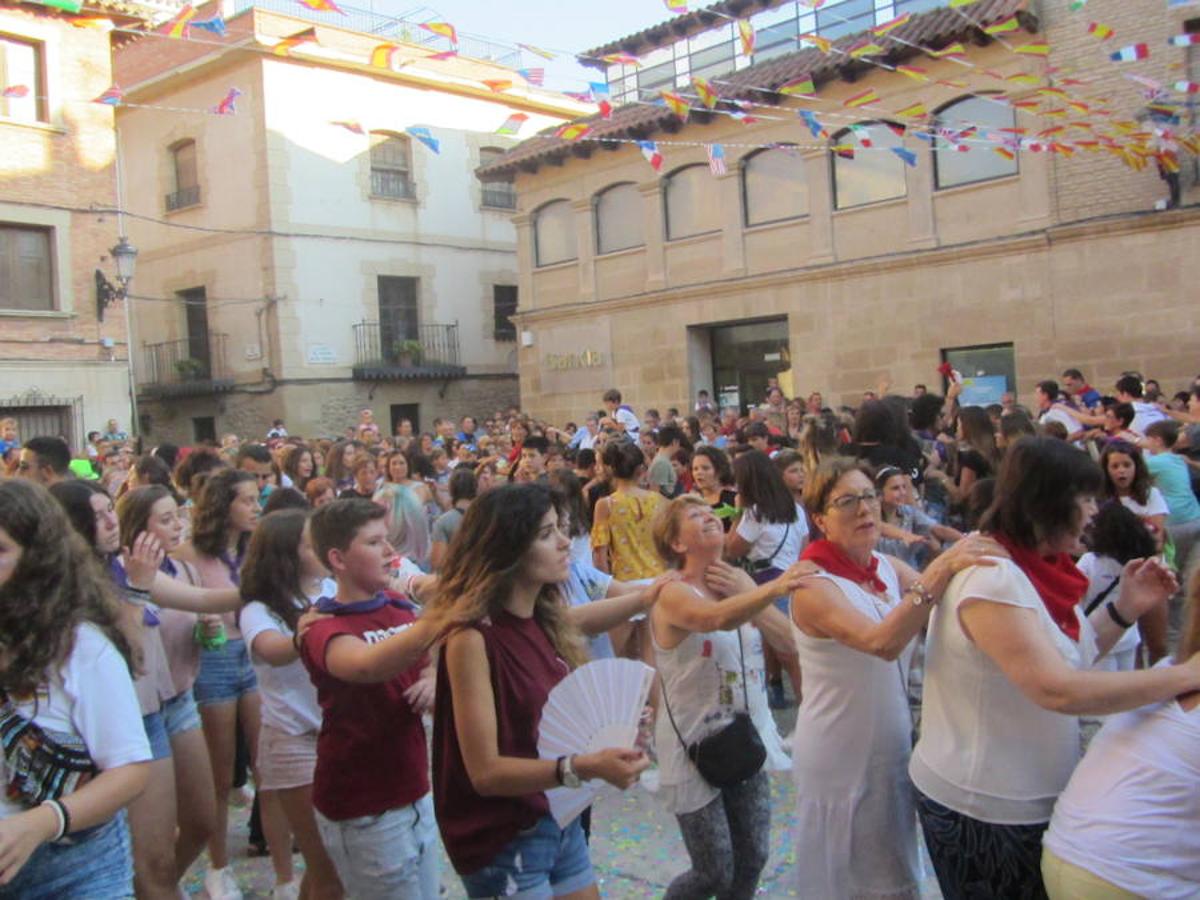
(712, 478)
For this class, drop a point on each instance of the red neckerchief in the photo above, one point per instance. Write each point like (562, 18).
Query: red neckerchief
(834, 560)
(1057, 580)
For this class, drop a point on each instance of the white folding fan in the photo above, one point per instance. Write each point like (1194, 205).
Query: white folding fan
(598, 705)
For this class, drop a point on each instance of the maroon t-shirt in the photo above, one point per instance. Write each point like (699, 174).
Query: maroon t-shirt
(371, 754)
(524, 668)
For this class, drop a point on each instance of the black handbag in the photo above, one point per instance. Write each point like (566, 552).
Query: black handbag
(732, 755)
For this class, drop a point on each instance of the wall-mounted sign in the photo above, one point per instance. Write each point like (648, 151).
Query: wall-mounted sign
(586, 359)
(322, 355)
(575, 357)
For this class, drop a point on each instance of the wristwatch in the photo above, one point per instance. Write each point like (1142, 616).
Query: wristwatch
(567, 776)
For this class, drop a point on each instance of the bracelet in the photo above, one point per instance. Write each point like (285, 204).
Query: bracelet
(922, 592)
(558, 770)
(137, 595)
(60, 813)
(1116, 616)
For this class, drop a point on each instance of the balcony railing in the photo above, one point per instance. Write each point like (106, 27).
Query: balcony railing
(392, 185)
(392, 351)
(499, 196)
(192, 366)
(184, 197)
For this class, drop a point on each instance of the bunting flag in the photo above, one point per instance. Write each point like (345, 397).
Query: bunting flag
(863, 134)
(350, 125)
(215, 25)
(822, 44)
(177, 27)
(886, 27)
(384, 56)
(799, 87)
(1100, 30)
(95, 23)
(1184, 40)
(1023, 78)
(1004, 26)
(443, 55)
(650, 152)
(813, 125)
(422, 134)
(862, 99)
(914, 111)
(679, 7)
(676, 104)
(746, 35)
(744, 117)
(112, 97)
(321, 6)
(843, 151)
(512, 125)
(228, 104)
(71, 6)
(864, 48)
(949, 52)
(285, 46)
(1186, 87)
(573, 131)
(914, 72)
(1131, 53)
(705, 92)
(535, 76)
(497, 85)
(599, 94)
(910, 158)
(537, 51)
(15, 91)
(442, 29)
(1039, 48)
(716, 159)
(957, 4)
(1005, 152)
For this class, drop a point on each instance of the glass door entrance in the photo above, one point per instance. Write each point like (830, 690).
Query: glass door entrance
(745, 358)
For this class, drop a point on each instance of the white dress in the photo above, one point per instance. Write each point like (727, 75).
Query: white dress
(856, 824)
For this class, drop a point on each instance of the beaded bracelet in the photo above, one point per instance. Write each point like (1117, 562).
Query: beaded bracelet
(923, 596)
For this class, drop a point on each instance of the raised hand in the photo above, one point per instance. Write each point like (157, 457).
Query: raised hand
(142, 561)
(1145, 584)
(725, 580)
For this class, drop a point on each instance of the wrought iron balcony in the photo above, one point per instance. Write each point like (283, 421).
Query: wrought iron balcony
(193, 366)
(183, 198)
(392, 185)
(394, 351)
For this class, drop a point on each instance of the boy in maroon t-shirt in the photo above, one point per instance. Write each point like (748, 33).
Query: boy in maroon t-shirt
(371, 787)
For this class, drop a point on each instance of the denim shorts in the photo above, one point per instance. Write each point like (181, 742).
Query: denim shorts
(156, 733)
(96, 865)
(541, 862)
(180, 714)
(225, 674)
(392, 856)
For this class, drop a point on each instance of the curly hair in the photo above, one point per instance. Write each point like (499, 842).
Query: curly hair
(484, 559)
(58, 584)
(210, 521)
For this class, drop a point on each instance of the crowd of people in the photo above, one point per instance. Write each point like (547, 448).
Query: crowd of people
(358, 635)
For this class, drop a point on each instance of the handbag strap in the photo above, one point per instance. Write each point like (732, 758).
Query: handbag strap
(778, 547)
(745, 692)
(1099, 598)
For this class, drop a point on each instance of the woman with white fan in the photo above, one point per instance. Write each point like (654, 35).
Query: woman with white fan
(509, 644)
(710, 753)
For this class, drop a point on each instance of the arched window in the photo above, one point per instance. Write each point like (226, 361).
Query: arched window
(952, 166)
(185, 175)
(774, 186)
(873, 173)
(496, 194)
(554, 234)
(619, 218)
(692, 200)
(391, 166)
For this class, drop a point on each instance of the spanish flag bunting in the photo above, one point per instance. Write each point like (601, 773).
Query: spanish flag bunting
(844, 151)
(954, 83)
(679, 7)
(321, 6)
(1013, 130)
(705, 92)
(285, 46)
(799, 87)
(96, 23)
(957, 4)
(497, 85)
(1005, 152)
(861, 99)
(1131, 53)
(1038, 48)
(1052, 92)
(512, 124)
(1081, 125)
(537, 51)
(892, 25)
(1050, 132)
(384, 56)
(1079, 106)
(1184, 40)
(1062, 149)
(1054, 112)
(676, 104)
(178, 26)
(1191, 142)
(913, 111)
(1185, 87)
(1004, 26)
(865, 48)
(623, 59)
(350, 125)
(1100, 30)
(914, 72)
(573, 131)
(1025, 104)
(746, 35)
(1088, 145)
(1168, 160)
(442, 29)
(956, 49)
(822, 44)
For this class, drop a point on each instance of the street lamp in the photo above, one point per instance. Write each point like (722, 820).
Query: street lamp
(125, 256)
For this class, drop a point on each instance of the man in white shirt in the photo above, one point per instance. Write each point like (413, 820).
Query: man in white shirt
(1129, 390)
(621, 414)
(1046, 394)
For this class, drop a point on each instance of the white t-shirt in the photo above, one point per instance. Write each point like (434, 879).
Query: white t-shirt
(91, 697)
(986, 750)
(1155, 505)
(1102, 571)
(765, 537)
(1145, 414)
(289, 699)
(628, 420)
(1061, 415)
(1130, 811)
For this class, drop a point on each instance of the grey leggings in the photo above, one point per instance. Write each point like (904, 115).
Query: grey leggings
(728, 842)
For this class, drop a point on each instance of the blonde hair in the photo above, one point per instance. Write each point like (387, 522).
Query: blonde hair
(666, 528)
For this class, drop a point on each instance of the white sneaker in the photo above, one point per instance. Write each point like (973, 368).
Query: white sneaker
(220, 885)
(286, 891)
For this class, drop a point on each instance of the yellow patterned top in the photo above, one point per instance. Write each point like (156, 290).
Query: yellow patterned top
(627, 534)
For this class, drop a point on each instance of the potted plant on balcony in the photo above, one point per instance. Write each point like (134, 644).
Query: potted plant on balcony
(189, 369)
(407, 352)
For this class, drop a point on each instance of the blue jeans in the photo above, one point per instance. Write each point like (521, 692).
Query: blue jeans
(225, 674)
(392, 856)
(96, 865)
(180, 714)
(541, 862)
